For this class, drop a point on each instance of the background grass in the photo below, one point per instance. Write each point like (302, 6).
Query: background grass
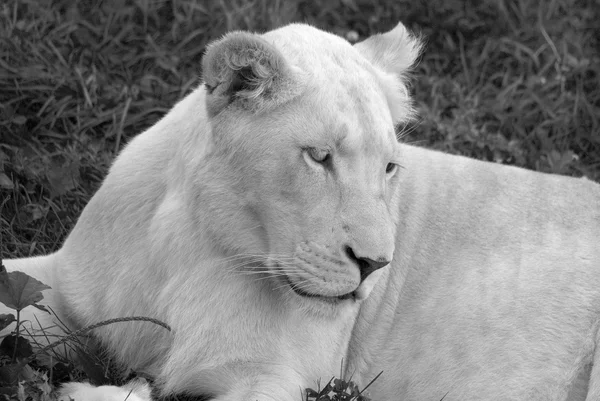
(509, 81)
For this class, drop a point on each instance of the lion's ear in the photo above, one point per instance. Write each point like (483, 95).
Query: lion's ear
(244, 68)
(394, 52)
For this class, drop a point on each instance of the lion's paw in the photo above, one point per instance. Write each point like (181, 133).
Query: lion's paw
(133, 391)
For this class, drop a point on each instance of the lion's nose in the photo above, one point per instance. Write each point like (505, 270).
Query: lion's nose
(365, 265)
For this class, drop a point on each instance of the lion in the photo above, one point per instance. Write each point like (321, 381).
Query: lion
(274, 220)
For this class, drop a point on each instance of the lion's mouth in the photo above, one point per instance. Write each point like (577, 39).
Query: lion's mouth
(330, 299)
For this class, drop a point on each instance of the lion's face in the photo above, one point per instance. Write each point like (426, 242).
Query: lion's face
(318, 174)
(322, 184)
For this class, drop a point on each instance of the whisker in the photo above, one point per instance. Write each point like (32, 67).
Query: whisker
(256, 257)
(302, 284)
(280, 272)
(404, 131)
(250, 266)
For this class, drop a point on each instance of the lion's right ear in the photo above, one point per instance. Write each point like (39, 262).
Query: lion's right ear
(245, 69)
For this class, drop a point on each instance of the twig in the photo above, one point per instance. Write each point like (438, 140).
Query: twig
(84, 330)
(371, 382)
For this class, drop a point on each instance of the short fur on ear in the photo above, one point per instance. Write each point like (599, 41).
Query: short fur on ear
(394, 52)
(244, 68)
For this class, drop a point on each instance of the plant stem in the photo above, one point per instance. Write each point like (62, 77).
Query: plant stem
(14, 357)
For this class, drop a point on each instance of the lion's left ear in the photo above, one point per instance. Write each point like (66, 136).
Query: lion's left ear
(244, 68)
(394, 52)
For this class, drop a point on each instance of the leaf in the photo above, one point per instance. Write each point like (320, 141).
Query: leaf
(559, 162)
(19, 290)
(21, 392)
(19, 120)
(42, 308)
(32, 212)
(9, 374)
(63, 178)
(339, 385)
(94, 371)
(5, 182)
(46, 360)
(43, 385)
(311, 394)
(11, 343)
(27, 373)
(6, 391)
(6, 319)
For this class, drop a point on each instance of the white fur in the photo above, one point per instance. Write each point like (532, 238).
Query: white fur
(494, 288)
(133, 391)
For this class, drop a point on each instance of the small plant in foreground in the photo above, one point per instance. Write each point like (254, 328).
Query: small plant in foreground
(339, 390)
(27, 373)
(18, 291)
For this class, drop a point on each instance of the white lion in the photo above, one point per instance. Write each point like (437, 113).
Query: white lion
(273, 220)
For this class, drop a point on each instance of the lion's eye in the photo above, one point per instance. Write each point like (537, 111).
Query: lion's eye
(391, 168)
(318, 155)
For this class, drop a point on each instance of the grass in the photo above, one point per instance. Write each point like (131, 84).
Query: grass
(511, 81)
(508, 81)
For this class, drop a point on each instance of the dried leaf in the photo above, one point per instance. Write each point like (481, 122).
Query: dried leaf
(21, 392)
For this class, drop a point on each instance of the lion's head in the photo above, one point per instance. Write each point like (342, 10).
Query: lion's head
(305, 160)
